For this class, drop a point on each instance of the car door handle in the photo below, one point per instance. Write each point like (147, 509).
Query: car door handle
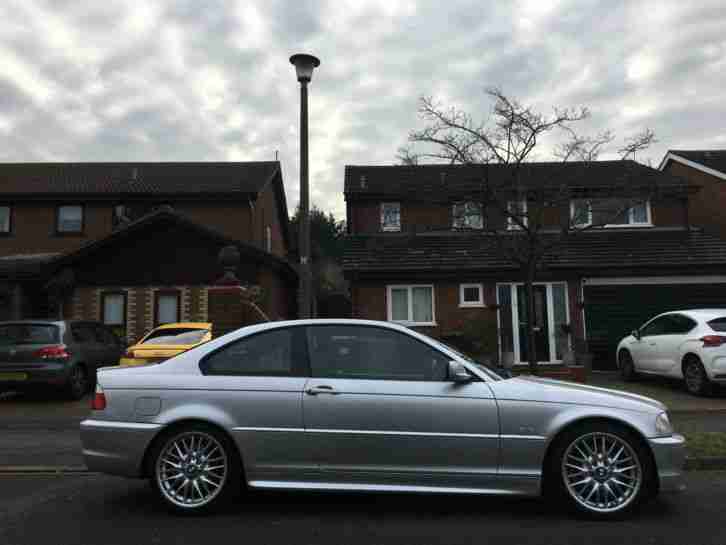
(322, 389)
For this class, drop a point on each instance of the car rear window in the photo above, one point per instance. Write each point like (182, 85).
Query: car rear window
(180, 335)
(718, 324)
(29, 334)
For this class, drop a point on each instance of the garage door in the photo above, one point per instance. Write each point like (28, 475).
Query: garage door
(613, 311)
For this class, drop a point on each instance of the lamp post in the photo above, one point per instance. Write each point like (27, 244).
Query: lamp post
(304, 65)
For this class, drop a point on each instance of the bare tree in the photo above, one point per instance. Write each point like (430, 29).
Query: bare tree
(505, 142)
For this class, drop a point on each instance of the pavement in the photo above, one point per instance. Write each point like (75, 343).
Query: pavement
(94, 509)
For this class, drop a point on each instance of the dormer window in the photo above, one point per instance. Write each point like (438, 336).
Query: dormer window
(69, 219)
(516, 214)
(391, 216)
(467, 215)
(610, 213)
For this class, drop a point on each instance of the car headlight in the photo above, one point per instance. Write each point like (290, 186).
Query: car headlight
(663, 424)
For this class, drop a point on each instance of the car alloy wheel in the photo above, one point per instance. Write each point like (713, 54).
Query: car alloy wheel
(627, 367)
(602, 472)
(78, 382)
(192, 469)
(695, 377)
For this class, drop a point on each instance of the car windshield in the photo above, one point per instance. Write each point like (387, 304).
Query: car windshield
(29, 334)
(177, 335)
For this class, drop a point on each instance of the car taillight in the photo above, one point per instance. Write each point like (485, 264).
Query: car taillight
(56, 352)
(129, 354)
(98, 401)
(712, 341)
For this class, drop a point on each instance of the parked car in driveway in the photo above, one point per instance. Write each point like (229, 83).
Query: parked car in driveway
(371, 406)
(167, 340)
(686, 344)
(62, 354)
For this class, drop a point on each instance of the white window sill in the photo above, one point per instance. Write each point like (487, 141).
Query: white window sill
(628, 225)
(414, 324)
(472, 305)
(391, 229)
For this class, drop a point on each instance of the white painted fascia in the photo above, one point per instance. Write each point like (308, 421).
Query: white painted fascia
(698, 166)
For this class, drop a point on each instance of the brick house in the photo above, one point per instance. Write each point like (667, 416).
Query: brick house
(137, 244)
(425, 261)
(705, 169)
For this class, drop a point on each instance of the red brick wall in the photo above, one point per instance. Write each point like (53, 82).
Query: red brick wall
(278, 295)
(267, 213)
(706, 207)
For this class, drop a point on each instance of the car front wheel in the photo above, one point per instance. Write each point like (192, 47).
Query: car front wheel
(602, 470)
(78, 382)
(195, 469)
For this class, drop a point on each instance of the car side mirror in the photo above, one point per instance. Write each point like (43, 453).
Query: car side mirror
(635, 333)
(458, 373)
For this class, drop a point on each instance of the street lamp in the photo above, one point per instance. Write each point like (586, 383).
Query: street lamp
(304, 65)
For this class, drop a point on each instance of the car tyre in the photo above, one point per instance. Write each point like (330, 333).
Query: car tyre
(627, 366)
(195, 469)
(601, 471)
(78, 383)
(695, 377)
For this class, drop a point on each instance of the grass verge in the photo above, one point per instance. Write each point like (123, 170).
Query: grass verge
(706, 443)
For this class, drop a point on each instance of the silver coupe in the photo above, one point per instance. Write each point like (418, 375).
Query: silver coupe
(371, 406)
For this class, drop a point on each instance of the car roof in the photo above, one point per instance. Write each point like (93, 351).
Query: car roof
(186, 325)
(700, 313)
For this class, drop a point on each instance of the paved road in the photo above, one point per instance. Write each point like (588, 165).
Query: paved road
(95, 509)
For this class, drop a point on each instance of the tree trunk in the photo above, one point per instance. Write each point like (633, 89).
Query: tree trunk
(531, 335)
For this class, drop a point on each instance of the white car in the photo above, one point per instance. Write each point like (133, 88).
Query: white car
(684, 344)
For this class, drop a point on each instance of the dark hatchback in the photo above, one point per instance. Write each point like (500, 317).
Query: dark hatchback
(62, 354)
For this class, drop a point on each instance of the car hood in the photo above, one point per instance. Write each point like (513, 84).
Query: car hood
(557, 391)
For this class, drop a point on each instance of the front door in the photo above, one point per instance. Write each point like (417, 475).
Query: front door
(380, 410)
(541, 326)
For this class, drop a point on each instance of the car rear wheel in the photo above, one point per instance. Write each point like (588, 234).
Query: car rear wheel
(627, 366)
(78, 382)
(695, 376)
(602, 470)
(196, 469)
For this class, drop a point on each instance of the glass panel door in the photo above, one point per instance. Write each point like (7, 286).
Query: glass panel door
(541, 325)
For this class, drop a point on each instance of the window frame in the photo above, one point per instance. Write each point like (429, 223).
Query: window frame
(511, 226)
(589, 213)
(60, 232)
(647, 223)
(268, 239)
(391, 229)
(409, 288)
(174, 292)
(10, 219)
(124, 296)
(297, 337)
(444, 355)
(471, 304)
(465, 215)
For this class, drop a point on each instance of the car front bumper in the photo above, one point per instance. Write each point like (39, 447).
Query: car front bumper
(116, 448)
(670, 458)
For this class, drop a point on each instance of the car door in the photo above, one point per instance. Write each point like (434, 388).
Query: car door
(669, 342)
(645, 348)
(380, 410)
(255, 383)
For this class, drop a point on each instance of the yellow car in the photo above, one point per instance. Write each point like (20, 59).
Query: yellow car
(166, 341)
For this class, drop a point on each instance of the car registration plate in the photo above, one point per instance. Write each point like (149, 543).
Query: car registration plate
(13, 376)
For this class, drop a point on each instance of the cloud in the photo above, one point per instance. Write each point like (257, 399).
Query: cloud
(178, 80)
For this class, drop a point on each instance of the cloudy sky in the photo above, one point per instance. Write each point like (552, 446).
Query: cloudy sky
(193, 80)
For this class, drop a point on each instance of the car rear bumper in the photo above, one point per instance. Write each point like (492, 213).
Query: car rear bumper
(670, 458)
(13, 375)
(116, 448)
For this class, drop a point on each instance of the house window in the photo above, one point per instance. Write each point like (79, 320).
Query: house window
(413, 305)
(611, 212)
(581, 212)
(70, 219)
(467, 215)
(268, 238)
(167, 307)
(391, 216)
(113, 312)
(516, 214)
(471, 295)
(5, 220)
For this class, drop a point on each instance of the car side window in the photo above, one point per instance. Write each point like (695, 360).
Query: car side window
(275, 353)
(659, 326)
(372, 353)
(680, 324)
(106, 336)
